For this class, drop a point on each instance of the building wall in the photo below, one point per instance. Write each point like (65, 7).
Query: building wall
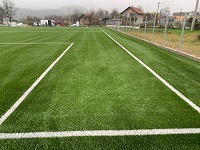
(84, 22)
(172, 22)
(180, 18)
(130, 13)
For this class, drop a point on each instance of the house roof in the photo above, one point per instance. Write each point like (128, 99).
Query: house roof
(137, 10)
(83, 15)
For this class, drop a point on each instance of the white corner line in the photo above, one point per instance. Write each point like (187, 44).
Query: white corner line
(194, 106)
(21, 99)
(46, 43)
(96, 133)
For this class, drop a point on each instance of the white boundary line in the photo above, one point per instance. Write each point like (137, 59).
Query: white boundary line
(21, 99)
(34, 43)
(157, 76)
(96, 133)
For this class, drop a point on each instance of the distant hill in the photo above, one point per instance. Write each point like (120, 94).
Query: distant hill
(22, 13)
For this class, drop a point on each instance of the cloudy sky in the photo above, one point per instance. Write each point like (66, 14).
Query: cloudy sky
(147, 5)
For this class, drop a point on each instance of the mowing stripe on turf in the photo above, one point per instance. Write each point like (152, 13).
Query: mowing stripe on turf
(21, 99)
(157, 76)
(34, 43)
(96, 133)
(54, 31)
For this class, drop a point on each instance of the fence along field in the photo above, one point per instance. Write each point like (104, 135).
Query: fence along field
(97, 86)
(190, 43)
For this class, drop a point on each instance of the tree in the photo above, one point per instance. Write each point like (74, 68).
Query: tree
(114, 14)
(33, 18)
(76, 15)
(107, 14)
(55, 17)
(1, 14)
(198, 15)
(9, 9)
(165, 12)
(140, 8)
(90, 18)
(100, 12)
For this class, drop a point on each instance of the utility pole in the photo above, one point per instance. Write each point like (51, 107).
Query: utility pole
(167, 21)
(180, 15)
(154, 25)
(69, 17)
(157, 14)
(183, 28)
(195, 15)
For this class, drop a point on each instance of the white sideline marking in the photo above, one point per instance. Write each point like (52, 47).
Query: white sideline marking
(157, 76)
(33, 43)
(21, 99)
(96, 133)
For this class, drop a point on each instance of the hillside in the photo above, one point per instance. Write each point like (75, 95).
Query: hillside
(22, 13)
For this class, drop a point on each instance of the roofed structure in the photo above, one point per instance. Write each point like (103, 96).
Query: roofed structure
(137, 10)
(180, 15)
(133, 12)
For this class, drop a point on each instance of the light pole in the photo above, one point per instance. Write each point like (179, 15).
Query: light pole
(157, 14)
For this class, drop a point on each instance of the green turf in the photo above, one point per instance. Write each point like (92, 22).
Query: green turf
(95, 86)
(169, 142)
(181, 72)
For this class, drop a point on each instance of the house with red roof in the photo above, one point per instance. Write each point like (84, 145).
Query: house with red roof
(133, 12)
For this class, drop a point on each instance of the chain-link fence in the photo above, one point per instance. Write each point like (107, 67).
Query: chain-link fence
(182, 40)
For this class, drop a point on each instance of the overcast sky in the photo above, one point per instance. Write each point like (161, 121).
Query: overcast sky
(147, 5)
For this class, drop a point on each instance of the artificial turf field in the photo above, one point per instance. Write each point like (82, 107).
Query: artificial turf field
(95, 86)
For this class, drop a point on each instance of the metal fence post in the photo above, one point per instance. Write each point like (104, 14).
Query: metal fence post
(134, 26)
(145, 28)
(154, 28)
(118, 25)
(123, 25)
(167, 20)
(126, 24)
(130, 26)
(139, 30)
(183, 28)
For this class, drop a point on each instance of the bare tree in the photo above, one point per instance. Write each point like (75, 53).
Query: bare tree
(56, 17)
(9, 9)
(1, 14)
(76, 15)
(100, 12)
(33, 18)
(140, 8)
(91, 18)
(107, 14)
(165, 12)
(114, 13)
